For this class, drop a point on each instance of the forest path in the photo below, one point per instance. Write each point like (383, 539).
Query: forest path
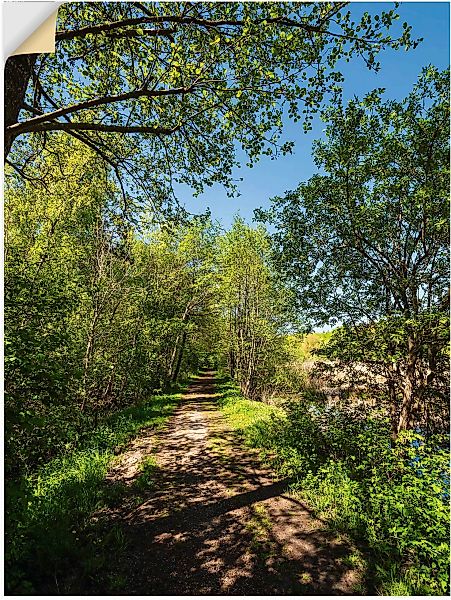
(217, 522)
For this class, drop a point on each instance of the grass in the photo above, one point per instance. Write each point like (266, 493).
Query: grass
(146, 478)
(354, 559)
(243, 414)
(48, 512)
(216, 445)
(305, 578)
(259, 525)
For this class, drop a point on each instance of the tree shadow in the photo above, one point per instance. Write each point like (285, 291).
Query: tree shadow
(208, 520)
(216, 522)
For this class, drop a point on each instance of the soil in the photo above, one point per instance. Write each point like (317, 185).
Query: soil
(215, 520)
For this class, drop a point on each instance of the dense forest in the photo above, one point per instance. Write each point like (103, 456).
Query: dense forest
(117, 297)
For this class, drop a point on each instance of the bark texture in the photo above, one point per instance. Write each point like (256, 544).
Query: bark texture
(18, 71)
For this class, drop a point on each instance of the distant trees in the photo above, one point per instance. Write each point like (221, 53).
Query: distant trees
(367, 242)
(255, 307)
(194, 251)
(177, 82)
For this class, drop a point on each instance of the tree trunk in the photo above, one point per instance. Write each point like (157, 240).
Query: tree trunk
(391, 375)
(18, 70)
(172, 363)
(232, 363)
(408, 394)
(87, 357)
(179, 359)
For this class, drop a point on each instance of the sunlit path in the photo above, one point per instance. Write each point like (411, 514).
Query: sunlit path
(218, 523)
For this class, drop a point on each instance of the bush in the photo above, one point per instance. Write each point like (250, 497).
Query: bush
(392, 496)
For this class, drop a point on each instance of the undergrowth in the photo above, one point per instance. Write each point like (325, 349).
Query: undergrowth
(393, 498)
(47, 512)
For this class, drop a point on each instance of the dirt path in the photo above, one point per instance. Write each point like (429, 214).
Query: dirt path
(216, 521)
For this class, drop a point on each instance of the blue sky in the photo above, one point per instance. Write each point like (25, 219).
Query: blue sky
(399, 71)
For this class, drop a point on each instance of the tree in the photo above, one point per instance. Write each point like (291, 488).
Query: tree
(194, 251)
(255, 307)
(47, 235)
(177, 82)
(98, 314)
(367, 242)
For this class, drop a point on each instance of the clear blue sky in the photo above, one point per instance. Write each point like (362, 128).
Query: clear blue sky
(399, 71)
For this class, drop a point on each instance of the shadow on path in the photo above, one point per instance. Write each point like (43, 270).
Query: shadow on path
(216, 522)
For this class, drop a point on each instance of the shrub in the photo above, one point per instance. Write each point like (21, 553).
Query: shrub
(391, 495)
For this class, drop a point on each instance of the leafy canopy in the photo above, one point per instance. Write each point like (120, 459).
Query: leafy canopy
(369, 237)
(168, 92)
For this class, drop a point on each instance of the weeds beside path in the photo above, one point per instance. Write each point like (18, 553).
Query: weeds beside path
(209, 519)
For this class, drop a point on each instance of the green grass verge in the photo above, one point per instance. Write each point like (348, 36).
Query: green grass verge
(241, 413)
(48, 511)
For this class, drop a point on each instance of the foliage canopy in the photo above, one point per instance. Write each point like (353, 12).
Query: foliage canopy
(177, 82)
(366, 243)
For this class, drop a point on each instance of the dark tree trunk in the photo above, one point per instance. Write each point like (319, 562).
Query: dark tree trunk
(18, 70)
(392, 376)
(232, 363)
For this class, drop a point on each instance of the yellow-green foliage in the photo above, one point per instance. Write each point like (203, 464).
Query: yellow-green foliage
(243, 413)
(291, 374)
(301, 346)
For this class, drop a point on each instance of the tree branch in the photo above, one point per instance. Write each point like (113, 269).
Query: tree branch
(133, 33)
(28, 126)
(93, 29)
(18, 128)
(208, 23)
(98, 151)
(106, 27)
(24, 175)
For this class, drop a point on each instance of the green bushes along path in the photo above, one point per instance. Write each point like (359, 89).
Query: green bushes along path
(392, 497)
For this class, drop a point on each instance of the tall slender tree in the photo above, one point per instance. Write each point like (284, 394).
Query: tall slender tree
(255, 306)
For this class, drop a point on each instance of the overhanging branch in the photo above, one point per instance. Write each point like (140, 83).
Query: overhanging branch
(107, 27)
(31, 127)
(30, 124)
(207, 23)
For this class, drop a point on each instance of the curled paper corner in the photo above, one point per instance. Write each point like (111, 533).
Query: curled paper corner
(29, 27)
(41, 40)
